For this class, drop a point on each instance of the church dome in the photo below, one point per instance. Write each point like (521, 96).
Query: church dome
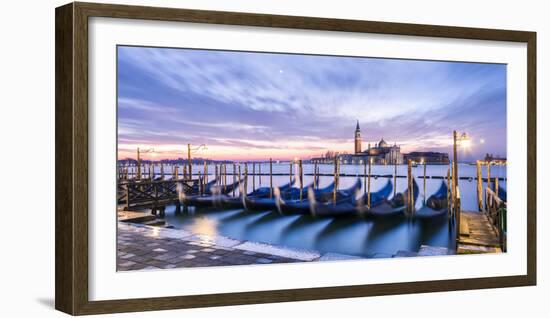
(382, 143)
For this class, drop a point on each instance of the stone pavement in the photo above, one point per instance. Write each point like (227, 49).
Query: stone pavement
(142, 247)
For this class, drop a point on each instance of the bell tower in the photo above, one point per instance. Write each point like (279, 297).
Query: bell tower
(357, 138)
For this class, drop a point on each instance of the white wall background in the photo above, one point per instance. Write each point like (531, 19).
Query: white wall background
(27, 156)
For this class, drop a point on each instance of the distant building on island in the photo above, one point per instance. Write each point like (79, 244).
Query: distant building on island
(381, 153)
(495, 159)
(428, 157)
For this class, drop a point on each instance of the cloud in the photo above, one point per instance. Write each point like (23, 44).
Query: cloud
(200, 95)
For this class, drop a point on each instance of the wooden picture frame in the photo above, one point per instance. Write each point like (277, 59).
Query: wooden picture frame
(71, 221)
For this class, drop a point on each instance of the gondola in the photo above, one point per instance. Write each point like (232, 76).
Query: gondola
(316, 197)
(264, 192)
(217, 193)
(394, 207)
(352, 205)
(436, 205)
(292, 203)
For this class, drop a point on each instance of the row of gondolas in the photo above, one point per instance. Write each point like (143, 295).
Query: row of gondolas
(288, 199)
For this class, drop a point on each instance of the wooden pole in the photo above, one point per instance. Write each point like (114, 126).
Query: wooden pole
(395, 178)
(489, 175)
(410, 187)
(260, 174)
(234, 177)
(201, 183)
(479, 185)
(189, 161)
(162, 170)
(205, 173)
(338, 165)
(368, 184)
(496, 186)
(225, 175)
(301, 179)
(424, 182)
(253, 176)
(449, 192)
(290, 173)
(176, 174)
(455, 168)
(365, 176)
(315, 175)
(216, 174)
(335, 180)
(138, 176)
(245, 179)
(270, 178)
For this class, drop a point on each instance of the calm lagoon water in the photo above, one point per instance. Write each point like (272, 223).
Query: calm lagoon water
(348, 235)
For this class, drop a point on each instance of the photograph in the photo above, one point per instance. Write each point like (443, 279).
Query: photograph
(229, 158)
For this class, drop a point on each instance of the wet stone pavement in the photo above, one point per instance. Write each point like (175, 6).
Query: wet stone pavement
(142, 247)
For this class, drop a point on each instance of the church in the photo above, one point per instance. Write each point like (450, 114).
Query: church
(380, 153)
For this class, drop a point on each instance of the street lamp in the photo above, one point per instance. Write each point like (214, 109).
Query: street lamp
(464, 141)
(189, 150)
(139, 160)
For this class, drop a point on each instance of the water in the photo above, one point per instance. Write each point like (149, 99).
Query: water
(349, 235)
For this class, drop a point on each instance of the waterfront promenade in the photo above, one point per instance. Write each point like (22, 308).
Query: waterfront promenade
(145, 247)
(150, 247)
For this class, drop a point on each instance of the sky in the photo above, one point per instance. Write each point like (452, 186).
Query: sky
(256, 106)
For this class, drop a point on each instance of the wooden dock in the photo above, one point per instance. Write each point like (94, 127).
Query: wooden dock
(477, 234)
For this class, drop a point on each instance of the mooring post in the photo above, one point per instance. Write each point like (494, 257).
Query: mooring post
(489, 174)
(365, 176)
(368, 184)
(127, 189)
(189, 161)
(479, 185)
(452, 191)
(410, 187)
(315, 185)
(138, 174)
(201, 189)
(301, 179)
(260, 174)
(239, 180)
(395, 178)
(270, 178)
(161, 170)
(496, 186)
(335, 180)
(290, 173)
(176, 173)
(253, 176)
(245, 188)
(234, 177)
(225, 176)
(424, 162)
(205, 173)
(449, 193)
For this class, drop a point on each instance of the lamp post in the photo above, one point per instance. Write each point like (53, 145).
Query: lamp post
(189, 151)
(463, 140)
(138, 172)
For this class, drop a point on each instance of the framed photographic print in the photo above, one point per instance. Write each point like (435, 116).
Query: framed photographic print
(211, 158)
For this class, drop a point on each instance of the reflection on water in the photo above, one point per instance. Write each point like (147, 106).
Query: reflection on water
(349, 235)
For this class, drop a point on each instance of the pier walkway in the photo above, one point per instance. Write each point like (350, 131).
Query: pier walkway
(477, 234)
